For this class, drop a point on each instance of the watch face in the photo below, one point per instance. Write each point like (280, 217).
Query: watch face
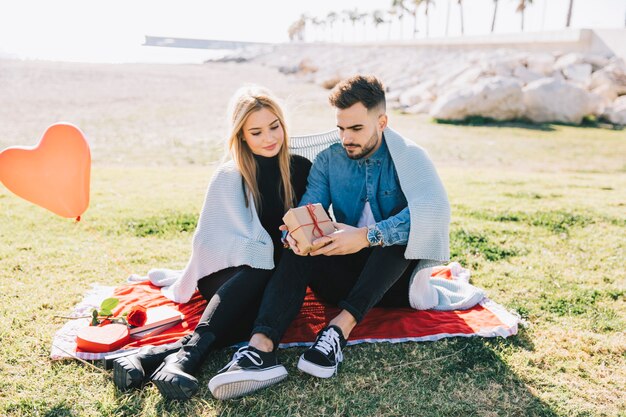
(374, 236)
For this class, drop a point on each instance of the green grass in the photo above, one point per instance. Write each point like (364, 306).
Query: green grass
(538, 215)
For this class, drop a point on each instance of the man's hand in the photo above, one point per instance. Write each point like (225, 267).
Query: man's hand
(293, 244)
(346, 240)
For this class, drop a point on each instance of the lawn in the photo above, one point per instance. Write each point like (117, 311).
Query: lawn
(538, 214)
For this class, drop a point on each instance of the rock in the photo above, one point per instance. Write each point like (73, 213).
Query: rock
(418, 93)
(288, 69)
(306, 66)
(597, 104)
(401, 84)
(566, 60)
(393, 96)
(579, 73)
(455, 83)
(617, 65)
(557, 75)
(541, 63)
(447, 79)
(612, 76)
(552, 100)
(617, 112)
(504, 63)
(329, 82)
(525, 74)
(607, 91)
(499, 98)
(422, 107)
(469, 76)
(597, 61)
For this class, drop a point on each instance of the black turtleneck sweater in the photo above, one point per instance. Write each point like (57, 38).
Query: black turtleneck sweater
(272, 208)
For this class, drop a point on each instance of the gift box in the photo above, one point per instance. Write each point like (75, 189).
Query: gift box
(102, 338)
(306, 224)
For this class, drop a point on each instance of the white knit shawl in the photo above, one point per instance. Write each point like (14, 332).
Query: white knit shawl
(427, 199)
(228, 234)
(429, 233)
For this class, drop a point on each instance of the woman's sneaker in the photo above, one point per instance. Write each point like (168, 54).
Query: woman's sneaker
(248, 371)
(323, 358)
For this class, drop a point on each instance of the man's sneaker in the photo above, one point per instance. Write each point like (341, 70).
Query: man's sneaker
(248, 371)
(323, 358)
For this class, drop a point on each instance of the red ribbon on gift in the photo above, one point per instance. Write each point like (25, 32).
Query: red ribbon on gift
(316, 224)
(316, 227)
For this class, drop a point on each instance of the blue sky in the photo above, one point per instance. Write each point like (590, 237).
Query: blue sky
(113, 30)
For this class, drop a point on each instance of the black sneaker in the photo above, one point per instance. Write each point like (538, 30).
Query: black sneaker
(323, 358)
(248, 371)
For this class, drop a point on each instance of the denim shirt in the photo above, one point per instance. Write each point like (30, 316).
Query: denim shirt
(348, 183)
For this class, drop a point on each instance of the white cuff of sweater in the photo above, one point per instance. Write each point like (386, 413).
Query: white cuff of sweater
(164, 277)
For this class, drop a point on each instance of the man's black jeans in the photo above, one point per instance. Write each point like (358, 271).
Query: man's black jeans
(356, 283)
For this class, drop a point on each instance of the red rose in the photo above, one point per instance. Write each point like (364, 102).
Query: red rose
(137, 316)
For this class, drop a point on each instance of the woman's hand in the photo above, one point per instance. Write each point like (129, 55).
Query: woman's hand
(293, 244)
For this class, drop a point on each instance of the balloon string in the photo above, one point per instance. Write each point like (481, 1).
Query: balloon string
(119, 263)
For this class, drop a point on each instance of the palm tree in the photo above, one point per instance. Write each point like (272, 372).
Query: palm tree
(416, 5)
(521, 7)
(317, 23)
(331, 18)
(426, 3)
(377, 19)
(397, 8)
(460, 2)
(363, 18)
(495, 11)
(353, 16)
(569, 13)
(392, 15)
(344, 17)
(303, 26)
(296, 29)
(448, 18)
(413, 12)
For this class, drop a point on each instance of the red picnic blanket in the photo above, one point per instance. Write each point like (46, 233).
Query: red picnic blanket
(486, 319)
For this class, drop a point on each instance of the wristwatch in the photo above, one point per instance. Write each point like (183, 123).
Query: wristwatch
(374, 236)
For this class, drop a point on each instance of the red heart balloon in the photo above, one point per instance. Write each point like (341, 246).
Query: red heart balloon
(54, 174)
(102, 339)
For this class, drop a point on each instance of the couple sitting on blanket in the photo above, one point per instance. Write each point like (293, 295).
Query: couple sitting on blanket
(392, 217)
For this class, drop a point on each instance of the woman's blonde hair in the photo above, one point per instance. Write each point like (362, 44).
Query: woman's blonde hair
(246, 101)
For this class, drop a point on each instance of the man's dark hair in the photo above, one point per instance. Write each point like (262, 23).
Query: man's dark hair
(365, 89)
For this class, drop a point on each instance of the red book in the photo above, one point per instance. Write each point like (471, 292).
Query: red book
(161, 317)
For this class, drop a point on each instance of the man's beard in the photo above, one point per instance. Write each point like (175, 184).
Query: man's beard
(371, 144)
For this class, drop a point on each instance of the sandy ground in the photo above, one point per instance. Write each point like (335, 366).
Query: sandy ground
(142, 113)
(149, 114)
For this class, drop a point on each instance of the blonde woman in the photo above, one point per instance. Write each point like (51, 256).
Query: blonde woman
(235, 246)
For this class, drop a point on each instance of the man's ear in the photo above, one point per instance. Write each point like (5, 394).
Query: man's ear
(382, 122)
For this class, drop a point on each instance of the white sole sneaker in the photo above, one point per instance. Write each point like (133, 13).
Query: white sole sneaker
(316, 370)
(238, 383)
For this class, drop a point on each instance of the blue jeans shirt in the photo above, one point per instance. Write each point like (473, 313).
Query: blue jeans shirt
(348, 183)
